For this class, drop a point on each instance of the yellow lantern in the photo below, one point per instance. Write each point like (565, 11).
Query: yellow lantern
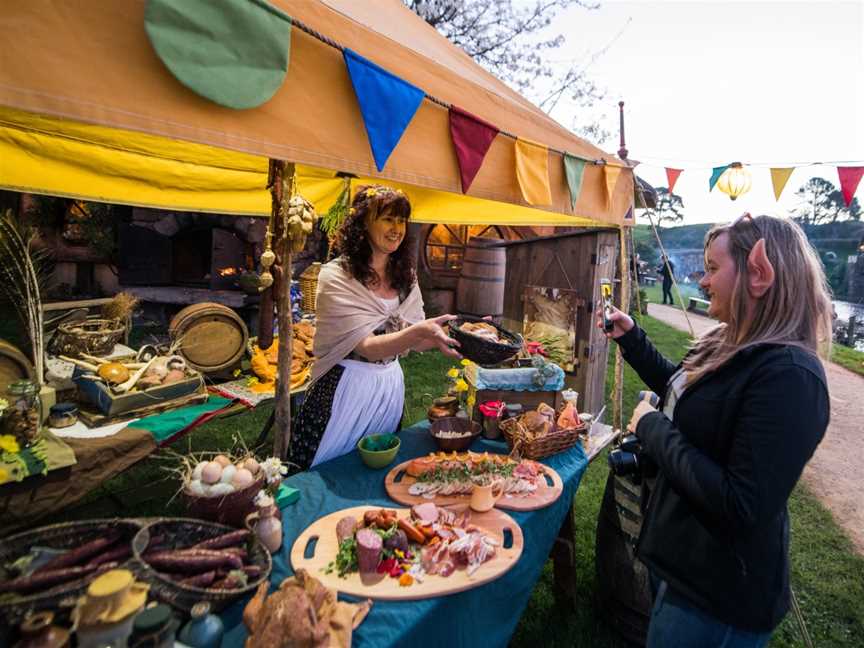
(735, 180)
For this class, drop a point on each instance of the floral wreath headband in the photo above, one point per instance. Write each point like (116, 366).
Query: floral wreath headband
(376, 191)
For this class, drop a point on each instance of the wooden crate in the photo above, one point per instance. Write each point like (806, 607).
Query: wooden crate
(112, 405)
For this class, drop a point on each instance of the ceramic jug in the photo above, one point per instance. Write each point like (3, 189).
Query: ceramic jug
(204, 630)
(267, 526)
(484, 497)
(37, 632)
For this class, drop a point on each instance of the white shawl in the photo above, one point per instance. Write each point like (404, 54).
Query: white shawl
(347, 312)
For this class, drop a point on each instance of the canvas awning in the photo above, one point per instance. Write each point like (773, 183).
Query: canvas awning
(90, 111)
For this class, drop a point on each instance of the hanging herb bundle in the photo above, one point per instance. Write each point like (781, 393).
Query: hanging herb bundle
(335, 216)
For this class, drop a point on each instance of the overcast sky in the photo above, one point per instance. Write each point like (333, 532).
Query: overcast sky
(707, 83)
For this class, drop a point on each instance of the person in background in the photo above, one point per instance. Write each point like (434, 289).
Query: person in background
(739, 419)
(368, 313)
(667, 270)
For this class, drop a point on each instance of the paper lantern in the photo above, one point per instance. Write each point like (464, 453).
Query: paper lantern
(735, 180)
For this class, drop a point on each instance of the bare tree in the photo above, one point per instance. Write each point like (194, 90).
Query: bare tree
(510, 38)
(822, 202)
(669, 209)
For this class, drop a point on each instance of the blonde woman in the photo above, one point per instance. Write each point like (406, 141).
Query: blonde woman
(739, 419)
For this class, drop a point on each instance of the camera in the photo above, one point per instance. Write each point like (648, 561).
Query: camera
(628, 460)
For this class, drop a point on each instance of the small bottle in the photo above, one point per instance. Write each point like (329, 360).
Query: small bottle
(154, 628)
(204, 630)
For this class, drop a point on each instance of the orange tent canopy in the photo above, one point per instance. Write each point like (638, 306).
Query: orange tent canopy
(90, 61)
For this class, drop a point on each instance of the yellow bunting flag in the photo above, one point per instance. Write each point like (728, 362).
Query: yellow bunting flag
(779, 178)
(611, 173)
(532, 172)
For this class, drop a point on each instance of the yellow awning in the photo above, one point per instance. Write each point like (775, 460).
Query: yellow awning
(46, 155)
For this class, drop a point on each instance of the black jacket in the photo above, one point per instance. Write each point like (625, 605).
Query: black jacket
(716, 527)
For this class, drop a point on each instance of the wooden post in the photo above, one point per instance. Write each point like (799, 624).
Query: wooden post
(280, 170)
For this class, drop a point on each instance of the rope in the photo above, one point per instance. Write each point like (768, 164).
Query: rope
(800, 618)
(669, 270)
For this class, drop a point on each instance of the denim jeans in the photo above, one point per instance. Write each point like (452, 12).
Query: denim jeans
(676, 624)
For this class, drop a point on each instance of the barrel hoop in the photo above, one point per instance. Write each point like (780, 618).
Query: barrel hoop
(486, 263)
(483, 279)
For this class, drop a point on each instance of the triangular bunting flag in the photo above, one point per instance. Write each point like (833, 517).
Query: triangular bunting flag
(472, 137)
(716, 172)
(611, 174)
(672, 177)
(849, 179)
(532, 172)
(387, 103)
(574, 169)
(779, 178)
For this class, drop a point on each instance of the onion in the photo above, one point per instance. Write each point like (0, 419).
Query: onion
(228, 473)
(222, 460)
(196, 472)
(211, 473)
(242, 479)
(217, 490)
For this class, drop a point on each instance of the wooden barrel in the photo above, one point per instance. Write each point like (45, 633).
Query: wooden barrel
(14, 365)
(480, 290)
(212, 337)
(623, 589)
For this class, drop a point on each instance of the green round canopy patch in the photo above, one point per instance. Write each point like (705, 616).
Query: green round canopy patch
(234, 52)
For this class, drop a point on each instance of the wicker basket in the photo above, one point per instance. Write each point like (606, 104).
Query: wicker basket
(95, 337)
(480, 350)
(68, 535)
(185, 532)
(308, 286)
(229, 509)
(548, 444)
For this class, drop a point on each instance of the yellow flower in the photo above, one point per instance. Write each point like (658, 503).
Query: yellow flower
(4, 475)
(453, 373)
(371, 192)
(465, 362)
(9, 443)
(461, 385)
(237, 373)
(471, 400)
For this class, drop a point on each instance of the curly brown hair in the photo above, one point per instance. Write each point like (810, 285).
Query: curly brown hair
(352, 241)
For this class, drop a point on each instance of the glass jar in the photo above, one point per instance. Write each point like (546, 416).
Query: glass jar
(24, 413)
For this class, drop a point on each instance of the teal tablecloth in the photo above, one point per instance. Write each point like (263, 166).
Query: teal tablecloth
(483, 616)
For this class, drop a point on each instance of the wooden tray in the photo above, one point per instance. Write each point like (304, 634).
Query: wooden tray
(325, 548)
(397, 485)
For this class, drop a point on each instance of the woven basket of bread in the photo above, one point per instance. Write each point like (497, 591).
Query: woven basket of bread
(541, 433)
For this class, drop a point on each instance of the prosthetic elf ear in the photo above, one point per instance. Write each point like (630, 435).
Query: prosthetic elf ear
(760, 271)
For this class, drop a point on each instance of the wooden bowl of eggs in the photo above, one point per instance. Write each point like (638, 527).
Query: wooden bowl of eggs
(223, 489)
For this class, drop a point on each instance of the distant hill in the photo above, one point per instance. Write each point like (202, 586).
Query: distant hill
(835, 242)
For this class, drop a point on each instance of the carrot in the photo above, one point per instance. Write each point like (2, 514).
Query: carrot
(75, 557)
(45, 579)
(119, 553)
(191, 560)
(225, 540)
(414, 534)
(200, 580)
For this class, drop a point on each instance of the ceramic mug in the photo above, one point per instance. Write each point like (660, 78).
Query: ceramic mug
(483, 498)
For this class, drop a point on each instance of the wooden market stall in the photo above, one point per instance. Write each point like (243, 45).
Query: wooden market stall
(95, 104)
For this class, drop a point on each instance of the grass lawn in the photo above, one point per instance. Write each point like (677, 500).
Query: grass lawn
(850, 358)
(826, 573)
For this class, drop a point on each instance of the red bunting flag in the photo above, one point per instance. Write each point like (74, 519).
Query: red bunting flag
(849, 179)
(472, 138)
(672, 177)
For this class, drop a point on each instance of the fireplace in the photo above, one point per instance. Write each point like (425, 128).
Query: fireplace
(198, 257)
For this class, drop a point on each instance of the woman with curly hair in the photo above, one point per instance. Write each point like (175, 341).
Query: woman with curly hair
(369, 312)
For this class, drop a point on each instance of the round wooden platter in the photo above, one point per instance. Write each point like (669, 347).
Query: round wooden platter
(397, 482)
(325, 547)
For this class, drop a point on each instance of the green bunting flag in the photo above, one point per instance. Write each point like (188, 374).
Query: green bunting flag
(716, 172)
(574, 169)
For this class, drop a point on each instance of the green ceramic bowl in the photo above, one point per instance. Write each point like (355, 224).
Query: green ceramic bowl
(378, 450)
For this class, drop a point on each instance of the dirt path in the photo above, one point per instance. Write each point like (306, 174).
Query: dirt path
(833, 474)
